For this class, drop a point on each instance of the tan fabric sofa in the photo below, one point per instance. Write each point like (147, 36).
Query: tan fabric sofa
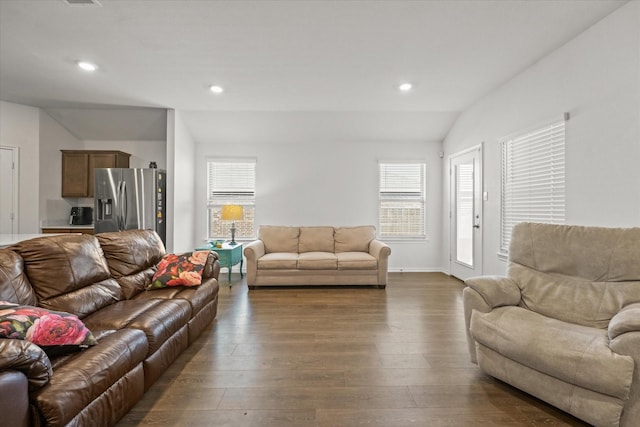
(564, 325)
(293, 256)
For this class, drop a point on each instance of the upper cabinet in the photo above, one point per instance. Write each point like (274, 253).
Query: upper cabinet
(78, 166)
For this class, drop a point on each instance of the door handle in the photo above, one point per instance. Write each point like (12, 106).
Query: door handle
(123, 203)
(476, 223)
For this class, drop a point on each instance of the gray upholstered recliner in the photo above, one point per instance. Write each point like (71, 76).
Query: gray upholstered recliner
(564, 325)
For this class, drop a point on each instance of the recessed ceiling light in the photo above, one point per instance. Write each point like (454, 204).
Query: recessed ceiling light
(216, 89)
(405, 87)
(87, 66)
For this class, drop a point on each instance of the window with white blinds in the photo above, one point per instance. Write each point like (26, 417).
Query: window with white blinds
(533, 178)
(231, 182)
(402, 200)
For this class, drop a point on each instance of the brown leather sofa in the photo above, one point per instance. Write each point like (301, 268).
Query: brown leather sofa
(102, 279)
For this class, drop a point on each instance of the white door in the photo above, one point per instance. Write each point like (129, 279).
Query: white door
(8, 190)
(465, 170)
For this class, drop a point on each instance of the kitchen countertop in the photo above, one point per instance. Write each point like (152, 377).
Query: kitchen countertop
(10, 239)
(67, 226)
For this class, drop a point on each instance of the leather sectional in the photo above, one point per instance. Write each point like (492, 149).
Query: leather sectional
(102, 279)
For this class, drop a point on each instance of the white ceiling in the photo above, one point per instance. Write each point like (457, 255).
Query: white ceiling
(332, 58)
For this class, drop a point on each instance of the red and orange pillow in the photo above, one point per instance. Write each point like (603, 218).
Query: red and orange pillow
(180, 270)
(56, 332)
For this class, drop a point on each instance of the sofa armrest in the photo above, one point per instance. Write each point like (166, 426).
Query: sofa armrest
(381, 252)
(14, 399)
(483, 294)
(497, 291)
(627, 320)
(379, 249)
(211, 267)
(28, 358)
(252, 252)
(627, 343)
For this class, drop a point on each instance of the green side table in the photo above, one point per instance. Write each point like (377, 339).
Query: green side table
(228, 256)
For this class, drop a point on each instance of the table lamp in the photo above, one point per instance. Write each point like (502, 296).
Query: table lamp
(232, 213)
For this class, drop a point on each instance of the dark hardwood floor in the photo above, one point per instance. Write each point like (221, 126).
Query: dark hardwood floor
(337, 357)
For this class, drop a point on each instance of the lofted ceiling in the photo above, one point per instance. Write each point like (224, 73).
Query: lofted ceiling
(281, 62)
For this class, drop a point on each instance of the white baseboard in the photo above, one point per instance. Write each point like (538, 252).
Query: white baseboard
(418, 270)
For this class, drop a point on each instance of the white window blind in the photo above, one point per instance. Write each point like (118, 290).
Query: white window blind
(231, 182)
(402, 200)
(533, 178)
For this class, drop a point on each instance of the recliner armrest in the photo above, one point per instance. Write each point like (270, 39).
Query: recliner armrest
(497, 291)
(627, 320)
(28, 358)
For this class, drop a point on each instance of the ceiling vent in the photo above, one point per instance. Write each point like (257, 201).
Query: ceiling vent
(82, 2)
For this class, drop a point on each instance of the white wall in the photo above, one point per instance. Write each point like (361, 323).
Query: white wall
(331, 182)
(596, 78)
(19, 127)
(53, 138)
(180, 185)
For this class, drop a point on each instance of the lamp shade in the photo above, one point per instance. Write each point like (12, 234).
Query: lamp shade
(231, 212)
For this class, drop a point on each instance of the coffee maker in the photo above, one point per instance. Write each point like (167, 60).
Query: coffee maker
(81, 216)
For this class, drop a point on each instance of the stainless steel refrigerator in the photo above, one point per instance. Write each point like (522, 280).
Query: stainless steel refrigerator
(126, 199)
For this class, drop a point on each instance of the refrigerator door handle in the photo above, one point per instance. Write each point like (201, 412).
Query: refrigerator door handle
(119, 221)
(124, 205)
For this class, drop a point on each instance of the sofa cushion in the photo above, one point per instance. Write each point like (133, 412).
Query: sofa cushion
(354, 239)
(14, 284)
(69, 273)
(582, 275)
(356, 261)
(279, 238)
(54, 331)
(197, 296)
(591, 253)
(80, 379)
(159, 319)
(317, 261)
(62, 263)
(316, 239)
(573, 299)
(131, 251)
(132, 257)
(575, 354)
(278, 261)
(180, 270)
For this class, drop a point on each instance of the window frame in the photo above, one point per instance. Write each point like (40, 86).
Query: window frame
(214, 204)
(399, 196)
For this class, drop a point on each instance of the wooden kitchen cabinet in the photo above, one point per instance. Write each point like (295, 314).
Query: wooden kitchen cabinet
(78, 166)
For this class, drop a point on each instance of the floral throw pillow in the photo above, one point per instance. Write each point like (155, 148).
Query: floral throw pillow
(56, 332)
(180, 270)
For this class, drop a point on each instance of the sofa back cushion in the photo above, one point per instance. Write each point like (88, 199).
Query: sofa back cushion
(354, 239)
(14, 284)
(316, 239)
(132, 257)
(582, 275)
(69, 273)
(279, 238)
